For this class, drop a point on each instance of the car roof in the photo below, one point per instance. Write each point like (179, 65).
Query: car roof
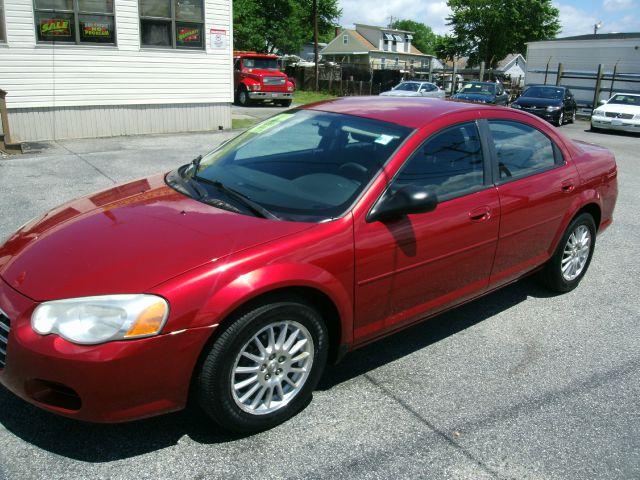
(413, 112)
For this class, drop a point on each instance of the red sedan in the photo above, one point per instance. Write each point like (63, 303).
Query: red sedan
(238, 276)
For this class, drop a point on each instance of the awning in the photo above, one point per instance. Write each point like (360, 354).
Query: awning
(388, 36)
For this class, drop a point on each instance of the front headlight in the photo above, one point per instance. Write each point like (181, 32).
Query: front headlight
(553, 109)
(93, 320)
(597, 113)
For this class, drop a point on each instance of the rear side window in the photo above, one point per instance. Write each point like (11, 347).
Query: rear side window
(522, 150)
(450, 163)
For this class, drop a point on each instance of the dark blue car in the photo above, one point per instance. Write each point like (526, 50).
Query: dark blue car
(482, 92)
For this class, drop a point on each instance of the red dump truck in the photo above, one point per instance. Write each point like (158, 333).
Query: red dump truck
(257, 77)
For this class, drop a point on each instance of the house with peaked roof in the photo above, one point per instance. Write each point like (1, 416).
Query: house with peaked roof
(376, 47)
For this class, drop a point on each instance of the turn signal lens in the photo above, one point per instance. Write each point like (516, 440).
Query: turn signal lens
(149, 322)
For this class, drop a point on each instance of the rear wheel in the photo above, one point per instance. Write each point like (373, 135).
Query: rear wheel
(573, 255)
(263, 368)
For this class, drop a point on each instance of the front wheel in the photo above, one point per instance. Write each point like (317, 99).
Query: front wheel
(572, 118)
(560, 119)
(243, 97)
(284, 103)
(573, 255)
(263, 368)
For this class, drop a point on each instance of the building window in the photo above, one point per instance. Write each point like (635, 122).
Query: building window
(75, 21)
(383, 62)
(345, 39)
(3, 32)
(172, 23)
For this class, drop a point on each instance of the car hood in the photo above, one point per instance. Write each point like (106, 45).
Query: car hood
(619, 108)
(538, 102)
(126, 239)
(474, 97)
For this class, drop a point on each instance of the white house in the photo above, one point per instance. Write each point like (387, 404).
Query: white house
(90, 68)
(376, 47)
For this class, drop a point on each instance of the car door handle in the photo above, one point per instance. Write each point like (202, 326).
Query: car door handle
(480, 214)
(568, 186)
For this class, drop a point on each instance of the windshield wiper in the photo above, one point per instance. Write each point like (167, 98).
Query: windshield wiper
(255, 207)
(191, 186)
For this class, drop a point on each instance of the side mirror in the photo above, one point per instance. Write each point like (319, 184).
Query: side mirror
(602, 102)
(403, 201)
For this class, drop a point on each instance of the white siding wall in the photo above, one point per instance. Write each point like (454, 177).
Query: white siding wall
(585, 56)
(51, 78)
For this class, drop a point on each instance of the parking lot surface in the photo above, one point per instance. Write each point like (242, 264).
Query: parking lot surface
(520, 384)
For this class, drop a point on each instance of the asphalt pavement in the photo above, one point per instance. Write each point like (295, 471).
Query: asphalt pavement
(520, 384)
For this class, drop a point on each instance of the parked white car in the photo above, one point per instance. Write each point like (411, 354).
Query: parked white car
(415, 89)
(620, 112)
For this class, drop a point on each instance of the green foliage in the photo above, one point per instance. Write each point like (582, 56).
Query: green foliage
(491, 29)
(423, 38)
(448, 47)
(281, 26)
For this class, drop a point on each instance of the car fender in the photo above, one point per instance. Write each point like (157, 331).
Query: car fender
(223, 292)
(584, 198)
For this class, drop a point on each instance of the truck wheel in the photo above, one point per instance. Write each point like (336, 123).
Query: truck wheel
(243, 97)
(284, 103)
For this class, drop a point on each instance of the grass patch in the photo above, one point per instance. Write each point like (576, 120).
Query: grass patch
(243, 122)
(303, 97)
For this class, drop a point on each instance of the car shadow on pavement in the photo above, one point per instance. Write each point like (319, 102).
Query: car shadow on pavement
(431, 331)
(108, 442)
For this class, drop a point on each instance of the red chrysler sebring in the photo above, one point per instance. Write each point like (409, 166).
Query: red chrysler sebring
(236, 277)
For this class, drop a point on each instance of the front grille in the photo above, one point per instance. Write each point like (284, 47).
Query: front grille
(5, 327)
(624, 116)
(274, 80)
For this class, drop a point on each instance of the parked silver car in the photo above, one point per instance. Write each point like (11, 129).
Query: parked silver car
(415, 89)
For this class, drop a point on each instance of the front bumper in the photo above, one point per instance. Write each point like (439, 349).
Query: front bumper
(112, 382)
(551, 117)
(622, 125)
(271, 95)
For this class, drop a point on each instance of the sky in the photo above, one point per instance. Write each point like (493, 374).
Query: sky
(577, 17)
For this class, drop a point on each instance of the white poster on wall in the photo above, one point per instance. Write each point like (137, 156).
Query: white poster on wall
(218, 38)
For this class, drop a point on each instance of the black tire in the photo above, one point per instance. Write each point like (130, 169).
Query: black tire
(284, 103)
(220, 369)
(553, 276)
(243, 97)
(594, 129)
(572, 118)
(560, 120)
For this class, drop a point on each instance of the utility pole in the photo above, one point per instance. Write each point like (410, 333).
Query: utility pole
(315, 44)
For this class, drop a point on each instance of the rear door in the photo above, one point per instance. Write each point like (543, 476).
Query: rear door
(535, 184)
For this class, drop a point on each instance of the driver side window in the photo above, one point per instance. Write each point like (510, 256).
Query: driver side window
(450, 163)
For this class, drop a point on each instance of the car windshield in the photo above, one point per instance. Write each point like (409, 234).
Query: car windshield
(302, 165)
(626, 100)
(479, 88)
(261, 63)
(407, 86)
(544, 92)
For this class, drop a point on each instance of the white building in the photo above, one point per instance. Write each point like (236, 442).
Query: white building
(580, 57)
(91, 68)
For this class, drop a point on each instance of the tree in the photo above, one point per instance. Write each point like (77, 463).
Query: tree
(281, 26)
(491, 29)
(423, 37)
(448, 47)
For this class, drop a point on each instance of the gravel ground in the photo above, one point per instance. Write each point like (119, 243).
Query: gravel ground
(519, 384)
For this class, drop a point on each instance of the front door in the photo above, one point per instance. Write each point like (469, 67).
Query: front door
(420, 264)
